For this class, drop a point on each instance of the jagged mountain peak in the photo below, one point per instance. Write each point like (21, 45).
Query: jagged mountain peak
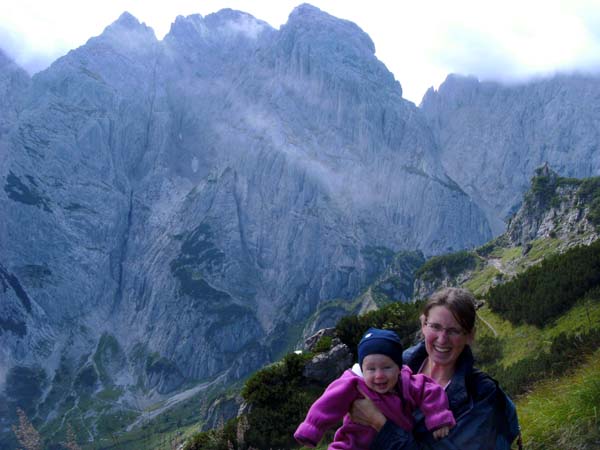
(127, 31)
(453, 92)
(318, 45)
(310, 22)
(226, 28)
(127, 22)
(229, 16)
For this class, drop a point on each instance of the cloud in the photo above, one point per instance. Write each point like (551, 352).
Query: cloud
(516, 41)
(22, 53)
(473, 52)
(246, 26)
(420, 42)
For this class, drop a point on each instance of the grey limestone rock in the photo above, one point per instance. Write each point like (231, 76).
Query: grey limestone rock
(326, 367)
(492, 137)
(193, 197)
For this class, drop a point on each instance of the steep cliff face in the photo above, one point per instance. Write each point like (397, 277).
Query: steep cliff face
(493, 137)
(14, 83)
(171, 207)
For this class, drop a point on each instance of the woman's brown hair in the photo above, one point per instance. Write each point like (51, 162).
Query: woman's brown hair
(460, 302)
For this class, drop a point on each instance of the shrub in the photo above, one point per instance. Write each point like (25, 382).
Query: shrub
(403, 318)
(453, 264)
(543, 292)
(26, 433)
(324, 344)
(565, 353)
(279, 401)
(589, 192)
(219, 439)
(487, 350)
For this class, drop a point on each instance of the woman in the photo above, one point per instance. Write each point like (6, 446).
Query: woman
(485, 416)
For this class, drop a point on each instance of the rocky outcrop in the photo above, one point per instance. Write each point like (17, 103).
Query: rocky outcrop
(557, 208)
(325, 367)
(444, 271)
(311, 342)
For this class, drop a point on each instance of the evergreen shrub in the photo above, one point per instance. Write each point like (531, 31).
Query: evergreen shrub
(279, 400)
(403, 318)
(487, 350)
(565, 353)
(543, 292)
(219, 439)
(453, 264)
(324, 344)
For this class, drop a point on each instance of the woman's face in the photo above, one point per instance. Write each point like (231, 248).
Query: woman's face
(442, 342)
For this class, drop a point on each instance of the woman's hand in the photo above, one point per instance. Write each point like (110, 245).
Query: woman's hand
(441, 432)
(364, 412)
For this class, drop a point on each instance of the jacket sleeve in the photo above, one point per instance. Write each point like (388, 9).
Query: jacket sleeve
(490, 423)
(482, 427)
(422, 392)
(392, 437)
(327, 410)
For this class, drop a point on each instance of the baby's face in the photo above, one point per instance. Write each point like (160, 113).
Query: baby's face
(380, 372)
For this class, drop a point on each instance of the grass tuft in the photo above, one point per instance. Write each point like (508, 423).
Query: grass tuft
(564, 414)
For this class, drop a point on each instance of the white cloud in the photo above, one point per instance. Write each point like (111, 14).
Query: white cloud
(420, 42)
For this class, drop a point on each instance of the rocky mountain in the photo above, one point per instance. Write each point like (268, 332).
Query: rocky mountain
(171, 207)
(538, 327)
(176, 213)
(492, 137)
(14, 83)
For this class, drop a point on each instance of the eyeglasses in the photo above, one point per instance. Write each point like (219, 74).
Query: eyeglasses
(450, 332)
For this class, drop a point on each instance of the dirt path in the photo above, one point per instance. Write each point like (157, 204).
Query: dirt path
(488, 325)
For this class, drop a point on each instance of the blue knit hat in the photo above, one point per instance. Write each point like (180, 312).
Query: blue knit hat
(383, 342)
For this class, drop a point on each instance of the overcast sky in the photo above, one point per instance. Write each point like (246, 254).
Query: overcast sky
(420, 41)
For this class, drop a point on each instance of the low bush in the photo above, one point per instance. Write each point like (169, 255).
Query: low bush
(279, 400)
(403, 318)
(219, 439)
(453, 264)
(487, 350)
(324, 344)
(565, 353)
(543, 292)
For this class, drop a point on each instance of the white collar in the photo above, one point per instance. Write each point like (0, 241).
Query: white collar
(357, 370)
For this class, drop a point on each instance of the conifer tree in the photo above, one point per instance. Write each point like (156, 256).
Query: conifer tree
(71, 442)
(26, 433)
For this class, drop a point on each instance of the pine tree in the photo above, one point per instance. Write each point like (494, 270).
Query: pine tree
(26, 433)
(71, 443)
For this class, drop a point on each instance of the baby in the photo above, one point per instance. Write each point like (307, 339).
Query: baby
(393, 388)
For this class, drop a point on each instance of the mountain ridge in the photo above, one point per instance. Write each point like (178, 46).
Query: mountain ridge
(230, 179)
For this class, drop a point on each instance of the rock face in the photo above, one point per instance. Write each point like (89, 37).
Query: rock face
(493, 137)
(326, 367)
(171, 207)
(556, 207)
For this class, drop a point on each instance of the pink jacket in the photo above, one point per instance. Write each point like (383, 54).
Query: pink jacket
(417, 391)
